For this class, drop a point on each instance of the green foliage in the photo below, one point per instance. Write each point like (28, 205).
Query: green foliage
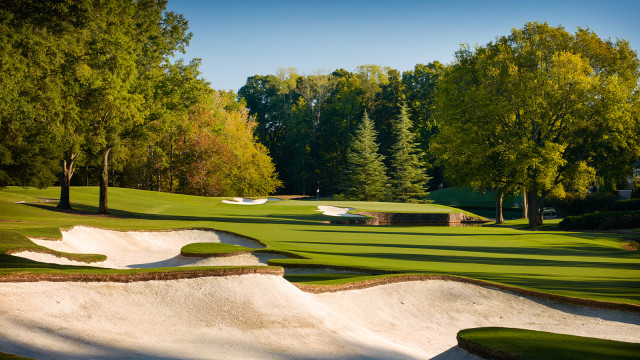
(602, 220)
(408, 174)
(540, 109)
(310, 153)
(219, 155)
(523, 344)
(575, 204)
(366, 177)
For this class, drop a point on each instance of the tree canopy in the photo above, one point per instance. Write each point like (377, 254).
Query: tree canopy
(540, 109)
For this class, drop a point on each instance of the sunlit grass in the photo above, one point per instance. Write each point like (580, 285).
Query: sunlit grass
(587, 265)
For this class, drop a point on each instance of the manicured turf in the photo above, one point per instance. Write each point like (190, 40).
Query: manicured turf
(466, 197)
(537, 345)
(213, 249)
(587, 265)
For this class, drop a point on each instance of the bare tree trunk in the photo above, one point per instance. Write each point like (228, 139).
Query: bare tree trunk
(525, 210)
(104, 184)
(171, 169)
(499, 216)
(535, 215)
(65, 181)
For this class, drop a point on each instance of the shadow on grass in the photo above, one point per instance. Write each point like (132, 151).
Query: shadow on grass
(594, 250)
(16, 262)
(484, 260)
(279, 219)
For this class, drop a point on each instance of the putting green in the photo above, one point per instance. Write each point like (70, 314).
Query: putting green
(586, 265)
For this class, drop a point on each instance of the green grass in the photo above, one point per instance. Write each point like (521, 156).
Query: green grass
(467, 197)
(5, 356)
(581, 264)
(213, 249)
(538, 345)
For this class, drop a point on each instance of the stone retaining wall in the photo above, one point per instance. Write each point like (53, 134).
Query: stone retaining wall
(383, 218)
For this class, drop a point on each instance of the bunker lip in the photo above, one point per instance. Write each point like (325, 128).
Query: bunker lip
(140, 249)
(256, 316)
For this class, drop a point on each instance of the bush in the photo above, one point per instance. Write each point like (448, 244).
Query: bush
(573, 204)
(631, 204)
(603, 220)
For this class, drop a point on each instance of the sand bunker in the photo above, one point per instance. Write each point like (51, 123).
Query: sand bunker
(337, 211)
(144, 249)
(266, 317)
(246, 201)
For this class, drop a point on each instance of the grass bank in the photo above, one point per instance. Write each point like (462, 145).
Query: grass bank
(519, 344)
(578, 264)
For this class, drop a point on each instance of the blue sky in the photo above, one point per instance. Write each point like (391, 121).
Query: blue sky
(238, 39)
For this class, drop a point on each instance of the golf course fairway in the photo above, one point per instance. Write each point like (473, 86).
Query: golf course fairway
(198, 310)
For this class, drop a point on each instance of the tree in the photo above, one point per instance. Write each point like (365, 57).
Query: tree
(220, 155)
(408, 174)
(556, 106)
(366, 174)
(34, 37)
(315, 90)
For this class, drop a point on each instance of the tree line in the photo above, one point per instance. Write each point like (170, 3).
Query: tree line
(308, 122)
(91, 86)
(541, 111)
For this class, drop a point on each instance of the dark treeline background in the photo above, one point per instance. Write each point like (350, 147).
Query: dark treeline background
(307, 122)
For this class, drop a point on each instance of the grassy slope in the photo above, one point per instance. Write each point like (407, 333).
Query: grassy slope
(466, 197)
(589, 265)
(538, 345)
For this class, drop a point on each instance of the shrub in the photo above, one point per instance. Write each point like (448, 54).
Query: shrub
(631, 204)
(603, 220)
(573, 204)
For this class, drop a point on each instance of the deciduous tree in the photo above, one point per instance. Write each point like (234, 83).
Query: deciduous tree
(534, 105)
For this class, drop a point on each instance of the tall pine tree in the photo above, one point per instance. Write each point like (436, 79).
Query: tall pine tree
(408, 175)
(366, 174)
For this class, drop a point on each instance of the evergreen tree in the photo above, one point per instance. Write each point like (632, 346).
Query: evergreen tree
(408, 175)
(366, 174)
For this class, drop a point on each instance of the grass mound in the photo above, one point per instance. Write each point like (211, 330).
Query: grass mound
(519, 344)
(213, 249)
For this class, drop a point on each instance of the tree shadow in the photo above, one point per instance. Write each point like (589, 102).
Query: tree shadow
(561, 250)
(278, 219)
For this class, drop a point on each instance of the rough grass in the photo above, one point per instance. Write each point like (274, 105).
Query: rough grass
(579, 264)
(519, 344)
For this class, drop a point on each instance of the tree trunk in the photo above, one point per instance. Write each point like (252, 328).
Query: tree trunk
(104, 183)
(65, 182)
(535, 215)
(499, 216)
(171, 169)
(525, 210)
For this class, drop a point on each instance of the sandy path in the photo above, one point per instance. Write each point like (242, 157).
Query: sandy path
(266, 317)
(143, 249)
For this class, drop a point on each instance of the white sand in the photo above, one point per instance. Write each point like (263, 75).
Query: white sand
(142, 249)
(265, 317)
(337, 211)
(246, 201)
